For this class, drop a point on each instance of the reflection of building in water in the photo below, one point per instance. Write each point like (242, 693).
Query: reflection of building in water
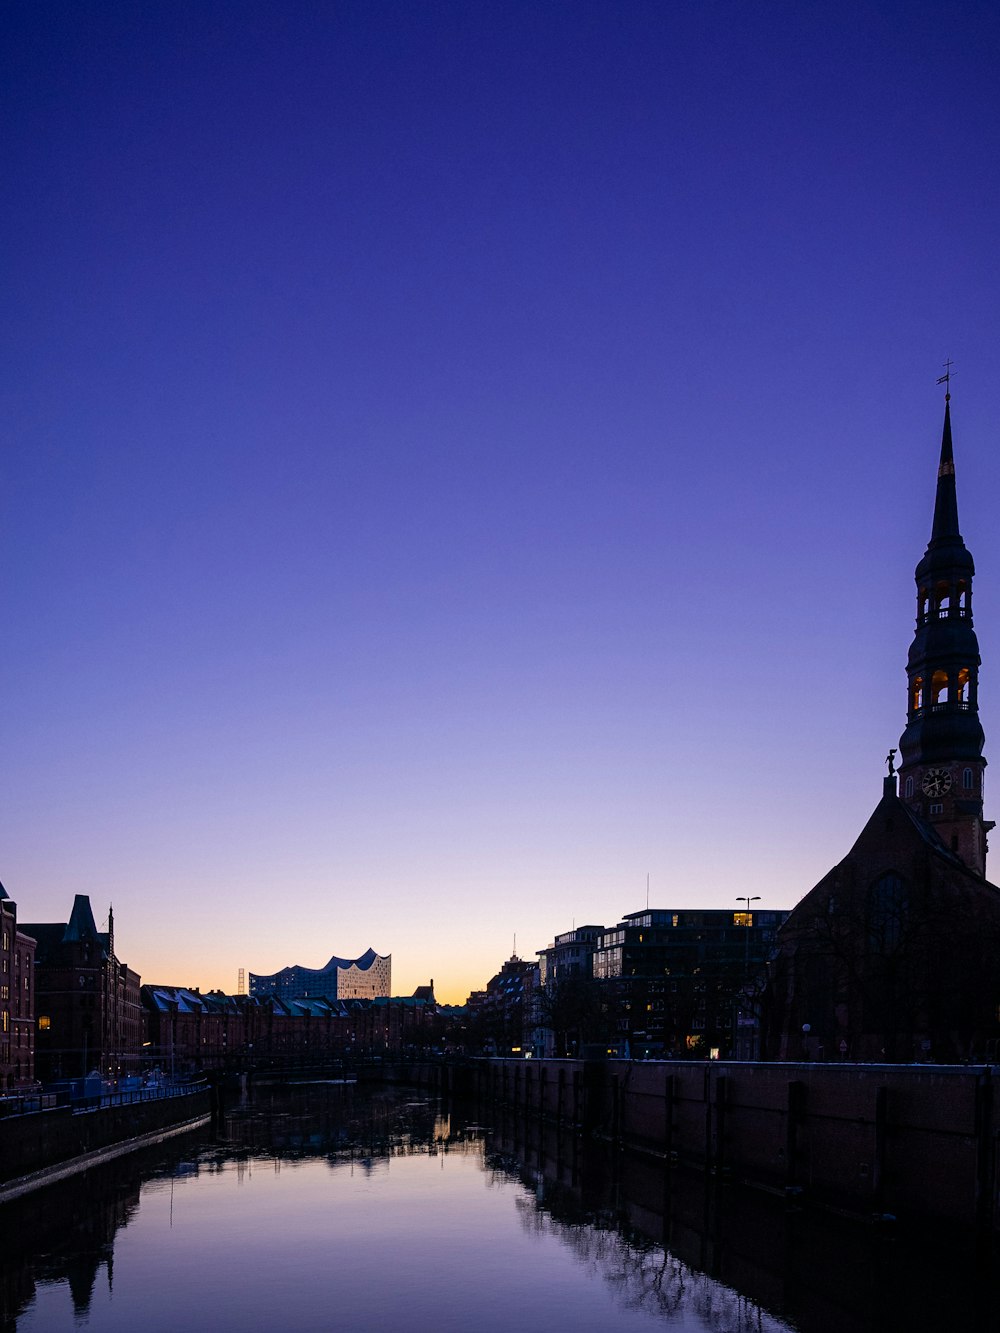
(714, 1257)
(66, 1234)
(366, 978)
(17, 999)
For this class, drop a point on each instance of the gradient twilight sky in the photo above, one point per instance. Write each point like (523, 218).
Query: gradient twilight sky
(460, 458)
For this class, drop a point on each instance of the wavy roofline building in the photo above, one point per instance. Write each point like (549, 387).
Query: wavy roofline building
(366, 978)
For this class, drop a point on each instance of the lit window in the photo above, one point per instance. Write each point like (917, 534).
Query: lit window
(743, 918)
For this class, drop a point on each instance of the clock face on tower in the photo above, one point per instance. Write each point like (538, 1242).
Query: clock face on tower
(937, 782)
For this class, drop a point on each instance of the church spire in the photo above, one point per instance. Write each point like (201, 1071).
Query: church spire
(945, 527)
(941, 750)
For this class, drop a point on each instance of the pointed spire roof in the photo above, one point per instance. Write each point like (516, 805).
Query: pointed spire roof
(81, 924)
(945, 527)
(946, 554)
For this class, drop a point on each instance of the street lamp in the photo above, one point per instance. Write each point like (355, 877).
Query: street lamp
(745, 898)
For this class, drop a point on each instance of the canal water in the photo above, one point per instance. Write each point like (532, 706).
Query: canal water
(326, 1206)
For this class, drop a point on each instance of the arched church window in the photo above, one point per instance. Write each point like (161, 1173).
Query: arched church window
(962, 688)
(888, 904)
(917, 694)
(967, 779)
(939, 687)
(923, 604)
(962, 597)
(909, 787)
(942, 599)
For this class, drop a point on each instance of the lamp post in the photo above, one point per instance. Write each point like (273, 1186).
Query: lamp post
(745, 898)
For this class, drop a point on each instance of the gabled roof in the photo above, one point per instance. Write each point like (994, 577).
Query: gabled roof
(890, 818)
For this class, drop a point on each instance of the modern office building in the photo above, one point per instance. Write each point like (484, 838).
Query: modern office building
(676, 981)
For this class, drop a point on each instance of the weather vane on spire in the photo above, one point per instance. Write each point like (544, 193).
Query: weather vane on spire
(946, 379)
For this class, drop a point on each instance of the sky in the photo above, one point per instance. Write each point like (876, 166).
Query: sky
(461, 459)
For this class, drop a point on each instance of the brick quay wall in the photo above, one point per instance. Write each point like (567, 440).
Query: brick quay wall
(43, 1145)
(918, 1142)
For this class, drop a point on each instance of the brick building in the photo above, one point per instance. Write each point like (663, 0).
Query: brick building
(89, 1016)
(17, 1000)
(505, 1015)
(187, 1031)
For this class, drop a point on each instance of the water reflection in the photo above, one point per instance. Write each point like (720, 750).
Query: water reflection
(329, 1207)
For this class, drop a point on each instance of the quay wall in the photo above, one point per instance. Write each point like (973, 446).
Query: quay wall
(911, 1141)
(46, 1139)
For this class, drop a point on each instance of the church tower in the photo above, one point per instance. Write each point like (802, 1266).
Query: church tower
(941, 750)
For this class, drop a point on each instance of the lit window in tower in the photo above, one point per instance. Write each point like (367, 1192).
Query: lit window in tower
(962, 692)
(939, 687)
(917, 694)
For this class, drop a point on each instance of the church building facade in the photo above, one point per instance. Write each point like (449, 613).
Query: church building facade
(895, 954)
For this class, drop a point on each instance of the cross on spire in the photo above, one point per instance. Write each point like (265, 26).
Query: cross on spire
(946, 378)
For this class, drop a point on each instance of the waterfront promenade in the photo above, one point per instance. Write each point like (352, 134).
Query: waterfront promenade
(47, 1141)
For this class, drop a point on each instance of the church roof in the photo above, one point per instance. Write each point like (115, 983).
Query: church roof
(878, 848)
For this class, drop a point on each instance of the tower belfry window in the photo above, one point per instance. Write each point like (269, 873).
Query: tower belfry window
(939, 687)
(917, 694)
(967, 779)
(942, 600)
(962, 690)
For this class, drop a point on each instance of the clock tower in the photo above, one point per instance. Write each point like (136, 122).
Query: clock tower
(941, 750)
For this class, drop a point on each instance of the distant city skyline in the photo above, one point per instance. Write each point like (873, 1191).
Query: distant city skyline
(461, 460)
